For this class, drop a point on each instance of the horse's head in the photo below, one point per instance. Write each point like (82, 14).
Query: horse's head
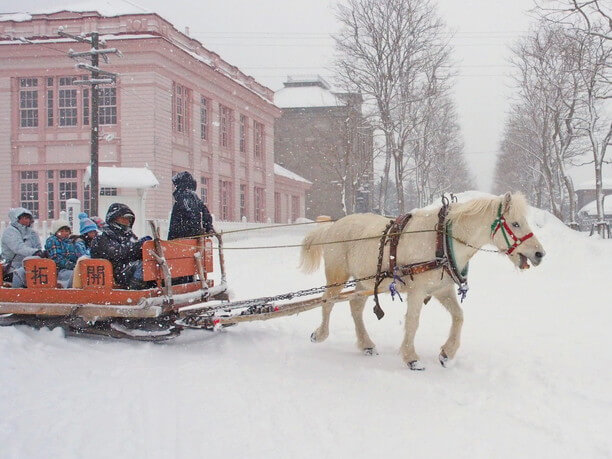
(512, 235)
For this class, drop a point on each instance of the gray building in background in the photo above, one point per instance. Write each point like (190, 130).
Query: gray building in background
(323, 136)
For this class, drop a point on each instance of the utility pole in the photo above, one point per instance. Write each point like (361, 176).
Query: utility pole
(96, 79)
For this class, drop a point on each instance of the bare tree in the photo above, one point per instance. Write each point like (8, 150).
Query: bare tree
(591, 22)
(385, 50)
(591, 16)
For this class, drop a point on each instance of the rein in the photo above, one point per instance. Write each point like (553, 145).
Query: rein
(501, 223)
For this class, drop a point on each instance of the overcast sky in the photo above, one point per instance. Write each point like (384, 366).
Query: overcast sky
(270, 39)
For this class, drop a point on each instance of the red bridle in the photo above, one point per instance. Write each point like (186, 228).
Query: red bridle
(500, 223)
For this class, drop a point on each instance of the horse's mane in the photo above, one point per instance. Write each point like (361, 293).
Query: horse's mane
(487, 205)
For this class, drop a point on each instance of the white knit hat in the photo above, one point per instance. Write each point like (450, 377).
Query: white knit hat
(59, 224)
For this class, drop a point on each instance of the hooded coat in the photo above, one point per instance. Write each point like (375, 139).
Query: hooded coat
(19, 241)
(118, 244)
(190, 217)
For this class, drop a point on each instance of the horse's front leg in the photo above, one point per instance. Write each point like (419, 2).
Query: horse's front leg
(363, 339)
(413, 313)
(449, 301)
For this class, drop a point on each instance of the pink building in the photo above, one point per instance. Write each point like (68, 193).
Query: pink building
(176, 106)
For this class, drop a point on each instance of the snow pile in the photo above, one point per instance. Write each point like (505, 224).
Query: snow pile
(531, 378)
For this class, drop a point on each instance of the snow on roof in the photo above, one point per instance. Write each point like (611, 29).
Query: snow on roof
(107, 37)
(104, 7)
(280, 170)
(306, 96)
(123, 177)
(17, 17)
(591, 207)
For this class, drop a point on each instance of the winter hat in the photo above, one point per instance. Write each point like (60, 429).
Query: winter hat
(184, 180)
(87, 224)
(59, 224)
(98, 221)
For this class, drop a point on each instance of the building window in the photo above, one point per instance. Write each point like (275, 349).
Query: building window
(67, 186)
(50, 104)
(50, 198)
(107, 108)
(243, 133)
(67, 102)
(295, 208)
(258, 140)
(225, 126)
(28, 102)
(29, 191)
(243, 203)
(85, 106)
(259, 201)
(204, 190)
(181, 107)
(225, 199)
(277, 207)
(106, 191)
(203, 118)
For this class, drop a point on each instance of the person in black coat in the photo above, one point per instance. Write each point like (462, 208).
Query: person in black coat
(190, 217)
(118, 244)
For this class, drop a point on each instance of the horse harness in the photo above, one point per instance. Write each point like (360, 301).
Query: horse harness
(444, 257)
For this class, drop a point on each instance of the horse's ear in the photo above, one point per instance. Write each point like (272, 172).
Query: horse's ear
(507, 200)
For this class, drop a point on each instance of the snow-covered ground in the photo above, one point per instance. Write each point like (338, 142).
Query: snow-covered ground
(532, 377)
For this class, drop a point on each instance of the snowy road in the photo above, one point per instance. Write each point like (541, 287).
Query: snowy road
(532, 377)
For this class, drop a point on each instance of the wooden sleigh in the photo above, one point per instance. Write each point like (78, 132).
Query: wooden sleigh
(95, 305)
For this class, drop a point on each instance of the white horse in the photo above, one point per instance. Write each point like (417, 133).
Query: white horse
(500, 221)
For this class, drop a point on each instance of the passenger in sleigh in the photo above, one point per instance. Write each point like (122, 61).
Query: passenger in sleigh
(64, 251)
(19, 241)
(118, 244)
(190, 216)
(88, 230)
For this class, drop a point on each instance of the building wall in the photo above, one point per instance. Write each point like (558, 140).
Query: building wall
(313, 143)
(145, 132)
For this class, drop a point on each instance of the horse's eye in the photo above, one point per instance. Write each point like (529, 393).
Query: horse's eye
(516, 224)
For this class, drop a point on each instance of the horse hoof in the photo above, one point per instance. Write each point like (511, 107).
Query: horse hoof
(370, 351)
(443, 358)
(416, 365)
(313, 337)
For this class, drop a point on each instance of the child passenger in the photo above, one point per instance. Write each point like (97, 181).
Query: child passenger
(63, 251)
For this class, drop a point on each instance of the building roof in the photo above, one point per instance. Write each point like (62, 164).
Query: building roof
(113, 9)
(591, 207)
(307, 96)
(303, 91)
(123, 177)
(107, 8)
(280, 170)
(583, 174)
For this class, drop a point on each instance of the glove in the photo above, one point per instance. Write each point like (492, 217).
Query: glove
(145, 239)
(41, 254)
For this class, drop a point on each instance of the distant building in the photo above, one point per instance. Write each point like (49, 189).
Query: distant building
(323, 136)
(584, 187)
(176, 106)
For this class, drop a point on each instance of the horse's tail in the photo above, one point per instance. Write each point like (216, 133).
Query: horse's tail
(312, 249)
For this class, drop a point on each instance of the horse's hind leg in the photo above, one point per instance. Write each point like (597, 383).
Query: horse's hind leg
(321, 333)
(363, 339)
(449, 349)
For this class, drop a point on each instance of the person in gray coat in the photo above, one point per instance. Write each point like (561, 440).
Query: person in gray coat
(19, 240)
